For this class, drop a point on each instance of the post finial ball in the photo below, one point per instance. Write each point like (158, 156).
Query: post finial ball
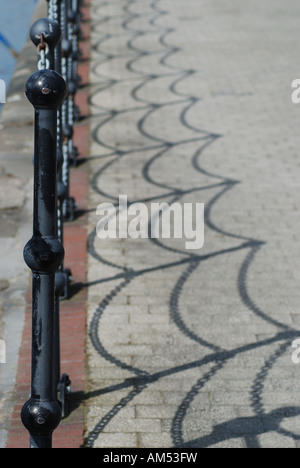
(46, 88)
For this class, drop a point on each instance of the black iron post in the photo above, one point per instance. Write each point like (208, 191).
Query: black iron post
(44, 254)
(45, 34)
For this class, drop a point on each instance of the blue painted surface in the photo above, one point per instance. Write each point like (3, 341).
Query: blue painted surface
(15, 20)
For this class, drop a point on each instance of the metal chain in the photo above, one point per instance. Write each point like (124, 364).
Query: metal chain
(43, 50)
(53, 10)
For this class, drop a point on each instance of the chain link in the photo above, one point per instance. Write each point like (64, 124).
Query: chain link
(43, 50)
(53, 10)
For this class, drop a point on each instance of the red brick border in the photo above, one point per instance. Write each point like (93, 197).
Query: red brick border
(70, 432)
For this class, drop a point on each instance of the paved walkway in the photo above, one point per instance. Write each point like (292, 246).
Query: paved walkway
(190, 102)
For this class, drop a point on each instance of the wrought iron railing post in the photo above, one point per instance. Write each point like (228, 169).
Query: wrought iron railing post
(44, 254)
(45, 34)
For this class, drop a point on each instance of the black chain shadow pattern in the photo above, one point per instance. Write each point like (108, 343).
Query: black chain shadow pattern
(216, 357)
